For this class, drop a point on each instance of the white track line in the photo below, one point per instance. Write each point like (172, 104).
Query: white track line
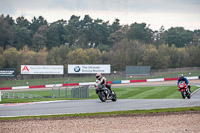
(195, 91)
(30, 103)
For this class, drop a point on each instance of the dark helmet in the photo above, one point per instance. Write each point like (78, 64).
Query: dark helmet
(98, 76)
(181, 76)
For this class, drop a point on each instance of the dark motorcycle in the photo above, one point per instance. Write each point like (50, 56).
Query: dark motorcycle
(105, 93)
(184, 90)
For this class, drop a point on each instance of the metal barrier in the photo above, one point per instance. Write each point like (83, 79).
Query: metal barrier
(20, 95)
(55, 92)
(80, 92)
(60, 92)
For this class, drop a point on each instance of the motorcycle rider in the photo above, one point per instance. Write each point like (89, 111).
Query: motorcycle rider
(182, 78)
(100, 78)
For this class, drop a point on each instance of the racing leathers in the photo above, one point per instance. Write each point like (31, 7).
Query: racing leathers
(104, 82)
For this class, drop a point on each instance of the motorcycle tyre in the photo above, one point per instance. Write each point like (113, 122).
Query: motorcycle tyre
(183, 94)
(188, 95)
(114, 96)
(102, 96)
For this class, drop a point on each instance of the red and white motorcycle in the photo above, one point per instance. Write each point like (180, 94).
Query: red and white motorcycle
(183, 88)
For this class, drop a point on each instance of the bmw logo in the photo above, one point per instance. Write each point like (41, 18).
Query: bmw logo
(77, 69)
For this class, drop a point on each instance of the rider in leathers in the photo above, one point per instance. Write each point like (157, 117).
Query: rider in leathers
(100, 78)
(182, 78)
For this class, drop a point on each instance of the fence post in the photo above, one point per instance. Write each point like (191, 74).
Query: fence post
(52, 93)
(66, 92)
(59, 92)
(72, 93)
(88, 88)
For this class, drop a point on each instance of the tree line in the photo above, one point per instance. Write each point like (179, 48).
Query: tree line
(93, 41)
(125, 53)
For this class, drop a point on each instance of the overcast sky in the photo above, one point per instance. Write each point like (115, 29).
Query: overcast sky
(169, 13)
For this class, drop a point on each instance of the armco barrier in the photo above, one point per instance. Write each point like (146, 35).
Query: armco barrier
(72, 84)
(125, 81)
(139, 80)
(6, 88)
(117, 82)
(155, 80)
(20, 87)
(168, 79)
(92, 83)
(37, 86)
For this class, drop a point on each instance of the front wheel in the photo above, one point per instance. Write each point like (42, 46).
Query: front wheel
(183, 94)
(188, 94)
(102, 96)
(114, 96)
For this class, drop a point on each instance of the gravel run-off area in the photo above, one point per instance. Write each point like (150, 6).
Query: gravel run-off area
(174, 122)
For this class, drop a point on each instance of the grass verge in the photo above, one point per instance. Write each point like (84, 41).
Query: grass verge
(107, 114)
(24, 100)
(155, 92)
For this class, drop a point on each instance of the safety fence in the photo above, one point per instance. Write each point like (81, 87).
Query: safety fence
(19, 95)
(80, 92)
(59, 92)
(75, 92)
(54, 92)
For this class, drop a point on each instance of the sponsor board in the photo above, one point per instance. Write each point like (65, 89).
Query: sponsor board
(88, 69)
(9, 73)
(42, 69)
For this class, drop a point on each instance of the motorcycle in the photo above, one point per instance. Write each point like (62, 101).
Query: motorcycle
(105, 93)
(184, 90)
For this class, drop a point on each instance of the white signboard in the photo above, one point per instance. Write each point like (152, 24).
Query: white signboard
(88, 69)
(42, 69)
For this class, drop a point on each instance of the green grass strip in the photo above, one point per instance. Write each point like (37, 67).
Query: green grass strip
(25, 100)
(114, 113)
(155, 92)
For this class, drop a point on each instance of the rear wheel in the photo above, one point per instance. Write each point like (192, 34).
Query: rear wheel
(183, 94)
(102, 96)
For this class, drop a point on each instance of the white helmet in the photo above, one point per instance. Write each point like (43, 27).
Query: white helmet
(98, 76)
(181, 76)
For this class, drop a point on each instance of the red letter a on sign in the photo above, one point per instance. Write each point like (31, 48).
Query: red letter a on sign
(25, 68)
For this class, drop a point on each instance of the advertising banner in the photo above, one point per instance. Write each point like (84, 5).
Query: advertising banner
(88, 69)
(8, 73)
(42, 69)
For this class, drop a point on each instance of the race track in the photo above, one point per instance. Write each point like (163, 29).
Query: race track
(91, 106)
(95, 105)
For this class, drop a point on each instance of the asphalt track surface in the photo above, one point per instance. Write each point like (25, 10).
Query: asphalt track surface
(93, 105)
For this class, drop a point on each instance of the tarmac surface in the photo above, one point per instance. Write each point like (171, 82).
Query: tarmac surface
(91, 106)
